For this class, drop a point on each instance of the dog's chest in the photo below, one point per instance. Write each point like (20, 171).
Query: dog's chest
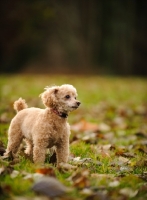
(58, 133)
(59, 128)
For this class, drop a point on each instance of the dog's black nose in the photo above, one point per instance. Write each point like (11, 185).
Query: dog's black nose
(78, 103)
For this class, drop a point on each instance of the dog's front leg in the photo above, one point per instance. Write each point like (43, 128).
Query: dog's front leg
(62, 150)
(39, 151)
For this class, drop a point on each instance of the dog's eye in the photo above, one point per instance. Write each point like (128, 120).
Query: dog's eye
(75, 97)
(67, 96)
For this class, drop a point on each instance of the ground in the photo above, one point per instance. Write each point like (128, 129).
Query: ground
(108, 142)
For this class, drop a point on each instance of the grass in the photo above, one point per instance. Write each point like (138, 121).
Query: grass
(119, 103)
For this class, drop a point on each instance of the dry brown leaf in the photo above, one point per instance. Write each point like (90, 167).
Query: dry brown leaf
(141, 163)
(128, 192)
(114, 183)
(46, 171)
(123, 160)
(66, 167)
(103, 150)
(119, 122)
(84, 126)
(128, 155)
(78, 161)
(92, 138)
(120, 151)
(80, 179)
(101, 176)
(104, 127)
(14, 174)
(81, 182)
(109, 136)
(89, 126)
(105, 154)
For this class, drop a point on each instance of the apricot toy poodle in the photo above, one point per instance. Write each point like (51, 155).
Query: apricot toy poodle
(44, 128)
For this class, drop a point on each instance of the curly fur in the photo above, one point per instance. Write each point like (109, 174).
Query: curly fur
(44, 128)
(20, 104)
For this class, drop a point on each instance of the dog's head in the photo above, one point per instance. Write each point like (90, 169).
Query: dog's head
(62, 98)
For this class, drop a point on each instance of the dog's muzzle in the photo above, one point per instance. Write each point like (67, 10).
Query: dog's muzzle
(77, 105)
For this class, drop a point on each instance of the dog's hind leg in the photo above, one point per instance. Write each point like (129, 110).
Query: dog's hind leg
(14, 139)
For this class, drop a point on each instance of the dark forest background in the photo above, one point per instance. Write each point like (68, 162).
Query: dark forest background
(74, 36)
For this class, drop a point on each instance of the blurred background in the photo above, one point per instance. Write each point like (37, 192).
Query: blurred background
(74, 37)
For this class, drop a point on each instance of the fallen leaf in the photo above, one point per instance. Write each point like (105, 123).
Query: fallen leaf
(128, 192)
(104, 127)
(84, 126)
(34, 176)
(79, 161)
(119, 123)
(123, 160)
(105, 154)
(141, 163)
(107, 147)
(125, 169)
(80, 179)
(90, 138)
(50, 187)
(128, 155)
(114, 183)
(120, 151)
(87, 191)
(104, 150)
(101, 176)
(66, 167)
(14, 174)
(109, 136)
(46, 171)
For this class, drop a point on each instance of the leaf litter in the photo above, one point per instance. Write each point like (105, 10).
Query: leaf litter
(115, 137)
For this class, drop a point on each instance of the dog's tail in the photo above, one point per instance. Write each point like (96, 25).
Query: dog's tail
(20, 104)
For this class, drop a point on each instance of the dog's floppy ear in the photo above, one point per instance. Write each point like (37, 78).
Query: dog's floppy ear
(48, 96)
